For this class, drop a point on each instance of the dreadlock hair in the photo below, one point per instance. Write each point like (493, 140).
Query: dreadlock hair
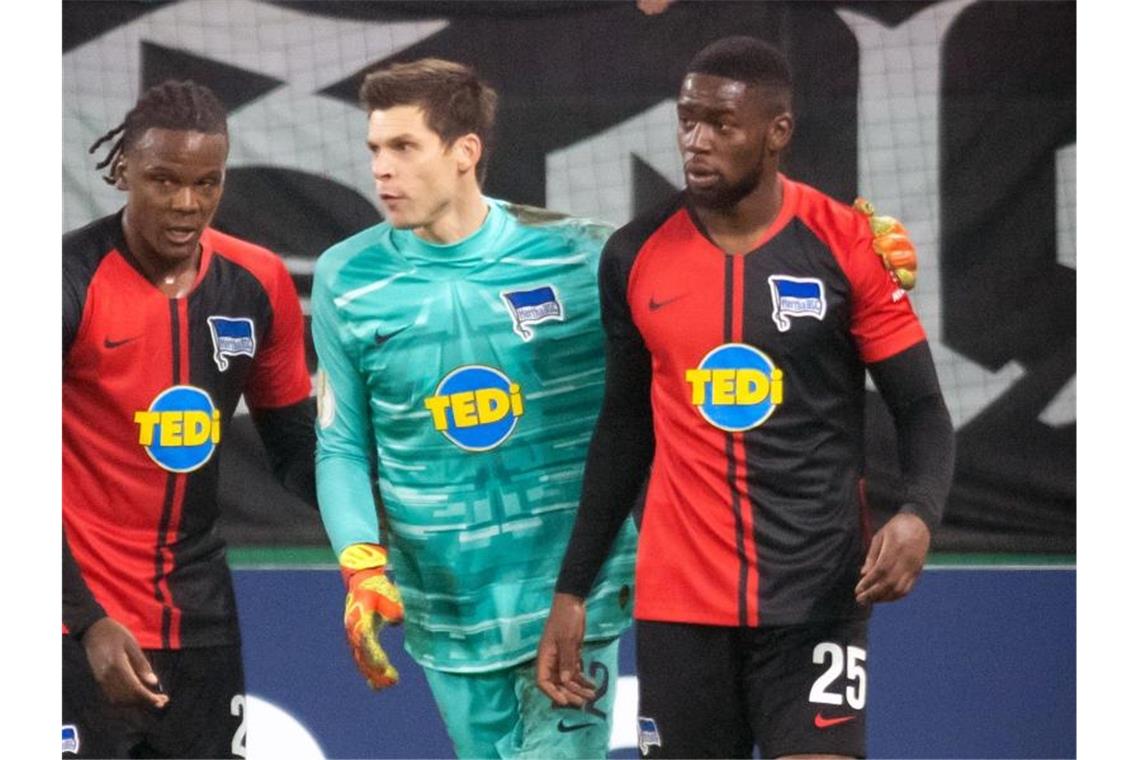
(746, 59)
(454, 100)
(170, 105)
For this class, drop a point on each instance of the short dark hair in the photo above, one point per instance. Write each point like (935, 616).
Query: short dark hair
(745, 59)
(184, 105)
(455, 101)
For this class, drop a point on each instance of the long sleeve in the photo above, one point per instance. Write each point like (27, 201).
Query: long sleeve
(80, 609)
(290, 441)
(345, 463)
(621, 449)
(909, 386)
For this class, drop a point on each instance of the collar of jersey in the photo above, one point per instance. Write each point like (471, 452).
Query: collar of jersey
(475, 249)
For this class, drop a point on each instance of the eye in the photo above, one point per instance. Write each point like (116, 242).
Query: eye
(687, 123)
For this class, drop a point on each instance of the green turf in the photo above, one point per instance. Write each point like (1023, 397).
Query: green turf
(322, 556)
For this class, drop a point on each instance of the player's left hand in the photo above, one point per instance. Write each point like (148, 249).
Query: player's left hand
(894, 561)
(893, 245)
(373, 602)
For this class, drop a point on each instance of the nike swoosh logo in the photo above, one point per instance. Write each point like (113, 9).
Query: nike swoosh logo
(654, 305)
(108, 343)
(565, 728)
(382, 338)
(822, 722)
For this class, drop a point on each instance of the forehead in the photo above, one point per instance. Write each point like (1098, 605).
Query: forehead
(386, 123)
(717, 93)
(179, 146)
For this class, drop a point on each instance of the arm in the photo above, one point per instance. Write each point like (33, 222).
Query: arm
(290, 441)
(345, 472)
(117, 662)
(618, 461)
(909, 386)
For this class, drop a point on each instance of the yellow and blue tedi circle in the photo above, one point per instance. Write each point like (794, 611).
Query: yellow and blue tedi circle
(736, 387)
(181, 428)
(476, 407)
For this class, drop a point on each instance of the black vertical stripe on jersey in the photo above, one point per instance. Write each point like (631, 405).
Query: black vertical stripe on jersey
(809, 445)
(171, 482)
(200, 580)
(730, 456)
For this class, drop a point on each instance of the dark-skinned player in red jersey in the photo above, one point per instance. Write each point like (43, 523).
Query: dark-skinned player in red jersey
(740, 320)
(167, 323)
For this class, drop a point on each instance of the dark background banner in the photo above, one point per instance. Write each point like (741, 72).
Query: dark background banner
(959, 117)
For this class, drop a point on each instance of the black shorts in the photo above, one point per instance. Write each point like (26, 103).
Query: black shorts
(710, 691)
(204, 718)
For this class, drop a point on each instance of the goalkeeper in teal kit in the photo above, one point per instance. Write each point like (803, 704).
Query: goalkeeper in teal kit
(461, 369)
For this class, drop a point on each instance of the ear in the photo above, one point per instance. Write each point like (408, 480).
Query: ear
(119, 172)
(780, 130)
(468, 150)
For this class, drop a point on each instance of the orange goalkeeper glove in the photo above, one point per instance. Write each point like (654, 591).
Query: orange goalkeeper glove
(373, 602)
(892, 244)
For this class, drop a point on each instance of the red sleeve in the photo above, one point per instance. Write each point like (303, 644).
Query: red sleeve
(883, 321)
(280, 376)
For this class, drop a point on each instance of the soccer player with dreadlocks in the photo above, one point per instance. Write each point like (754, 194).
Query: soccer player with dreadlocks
(167, 323)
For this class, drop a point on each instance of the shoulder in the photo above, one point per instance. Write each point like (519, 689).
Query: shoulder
(628, 240)
(574, 230)
(838, 224)
(262, 263)
(87, 245)
(333, 261)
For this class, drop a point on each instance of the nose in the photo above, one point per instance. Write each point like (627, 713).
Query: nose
(696, 140)
(185, 200)
(381, 168)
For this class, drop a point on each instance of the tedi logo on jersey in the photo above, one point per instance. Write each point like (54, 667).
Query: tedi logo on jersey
(181, 429)
(796, 297)
(232, 336)
(476, 407)
(529, 307)
(736, 387)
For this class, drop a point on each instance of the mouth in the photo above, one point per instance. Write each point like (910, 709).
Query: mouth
(389, 198)
(701, 177)
(180, 235)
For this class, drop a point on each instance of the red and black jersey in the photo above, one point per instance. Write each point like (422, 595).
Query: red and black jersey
(150, 384)
(753, 513)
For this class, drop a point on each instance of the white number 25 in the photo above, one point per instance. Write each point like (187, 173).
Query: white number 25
(856, 693)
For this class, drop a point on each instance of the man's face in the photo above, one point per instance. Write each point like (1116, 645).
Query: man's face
(724, 131)
(173, 180)
(417, 176)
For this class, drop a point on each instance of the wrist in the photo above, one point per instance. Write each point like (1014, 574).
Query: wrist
(362, 558)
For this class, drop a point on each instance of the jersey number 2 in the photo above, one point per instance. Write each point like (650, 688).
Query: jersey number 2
(857, 692)
(237, 707)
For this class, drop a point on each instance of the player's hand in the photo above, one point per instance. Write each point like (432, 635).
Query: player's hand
(892, 244)
(894, 561)
(558, 668)
(373, 602)
(119, 665)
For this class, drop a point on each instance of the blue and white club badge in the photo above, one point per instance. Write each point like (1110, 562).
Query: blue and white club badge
(530, 307)
(232, 336)
(647, 734)
(476, 407)
(796, 297)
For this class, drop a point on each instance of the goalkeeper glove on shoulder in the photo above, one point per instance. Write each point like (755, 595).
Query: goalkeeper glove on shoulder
(373, 602)
(892, 244)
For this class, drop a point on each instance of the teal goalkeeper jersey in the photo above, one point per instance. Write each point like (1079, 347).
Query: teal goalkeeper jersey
(467, 377)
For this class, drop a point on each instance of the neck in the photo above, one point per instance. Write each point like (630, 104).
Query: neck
(463, 216)
(733, 228)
